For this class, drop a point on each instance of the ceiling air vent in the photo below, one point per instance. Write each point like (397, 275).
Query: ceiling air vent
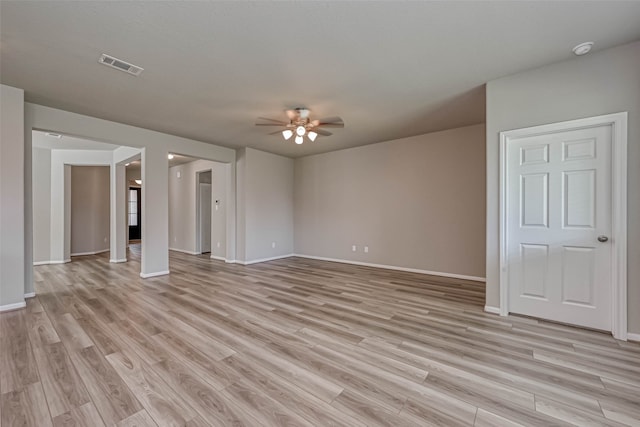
(118, 64)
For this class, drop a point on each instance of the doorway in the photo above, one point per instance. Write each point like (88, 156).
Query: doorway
(203, 209)
(134, 214)
(563, 222)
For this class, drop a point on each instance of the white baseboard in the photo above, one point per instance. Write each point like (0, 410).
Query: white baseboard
(157, 273)
(633, 337)
(492, 310)
(41, 262)
(393, 267)
(219, 258)
(30, 295)
(14, 306)
(256, 261)
(185, 251)
(101, 251)
(115, 261)
(230, 261)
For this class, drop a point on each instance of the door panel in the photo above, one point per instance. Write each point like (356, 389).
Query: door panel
(535, 264)
(558, 203)
(578, 281)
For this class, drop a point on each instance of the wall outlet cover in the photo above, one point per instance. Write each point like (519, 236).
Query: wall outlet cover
(354, 248)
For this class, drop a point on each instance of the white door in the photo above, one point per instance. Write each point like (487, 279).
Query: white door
(205, 218)
(558, 226)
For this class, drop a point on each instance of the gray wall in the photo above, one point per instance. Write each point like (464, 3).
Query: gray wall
(41, 204)
(416, 202)
(182, 206)
(90, 209)
(12, 193)
(599, 83)
(265, 205)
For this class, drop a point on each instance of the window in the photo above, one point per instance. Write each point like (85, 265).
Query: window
(133, 208)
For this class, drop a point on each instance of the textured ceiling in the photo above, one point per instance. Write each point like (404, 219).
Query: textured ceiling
(389, 69)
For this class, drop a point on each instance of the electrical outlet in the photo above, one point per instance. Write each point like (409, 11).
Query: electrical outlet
(366, 249)
(273, 244)
(354, 248)
(175, 239)
(178, 174)
(218, 244)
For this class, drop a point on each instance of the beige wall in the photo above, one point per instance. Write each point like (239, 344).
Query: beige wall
(12, 193)
(416, 202)
(265, 205)
(599, 83)
(89, 209)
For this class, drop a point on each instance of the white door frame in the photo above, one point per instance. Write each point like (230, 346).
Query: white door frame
(618, 123)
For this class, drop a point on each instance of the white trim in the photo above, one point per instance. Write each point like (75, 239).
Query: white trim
(185, 251)
(157, 273)
(91, 253)
(14, 306)
(115, 261)
(41, 262)
(256, 261)
(393, 267)
(219, 258)
(633, 337)
(491, 309)
(30, 295)
(230, 261)
(60, 262)
(618, 123)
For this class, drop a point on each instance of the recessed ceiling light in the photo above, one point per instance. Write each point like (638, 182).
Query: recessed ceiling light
(583, 48)
(53, 135)
(170, 156)
(127, 164)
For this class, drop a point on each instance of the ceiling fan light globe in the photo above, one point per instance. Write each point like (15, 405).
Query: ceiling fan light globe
(312, 135)
(287, 133)
(299, 139)
(300, 130)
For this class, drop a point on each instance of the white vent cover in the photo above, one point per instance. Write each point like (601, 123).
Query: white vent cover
(118, 64)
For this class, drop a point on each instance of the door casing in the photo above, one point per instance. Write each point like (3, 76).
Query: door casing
(618, 123)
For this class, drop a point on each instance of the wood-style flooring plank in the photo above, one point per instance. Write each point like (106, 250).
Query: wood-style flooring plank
(25, 408)
(85, 415)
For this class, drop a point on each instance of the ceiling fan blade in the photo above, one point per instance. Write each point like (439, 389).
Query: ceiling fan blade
(322, 132)
(272, 124)
(330, 125)
(280, 122)
(292, 114)
(275, 133)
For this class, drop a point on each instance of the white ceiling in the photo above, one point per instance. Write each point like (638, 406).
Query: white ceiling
(389, 69)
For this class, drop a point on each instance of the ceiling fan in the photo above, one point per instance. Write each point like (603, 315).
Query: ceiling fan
(300, 124)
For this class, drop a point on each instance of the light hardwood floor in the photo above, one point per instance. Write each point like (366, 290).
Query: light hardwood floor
(295, 342)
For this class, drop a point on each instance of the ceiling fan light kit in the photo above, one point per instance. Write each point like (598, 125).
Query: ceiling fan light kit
(301, 125)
